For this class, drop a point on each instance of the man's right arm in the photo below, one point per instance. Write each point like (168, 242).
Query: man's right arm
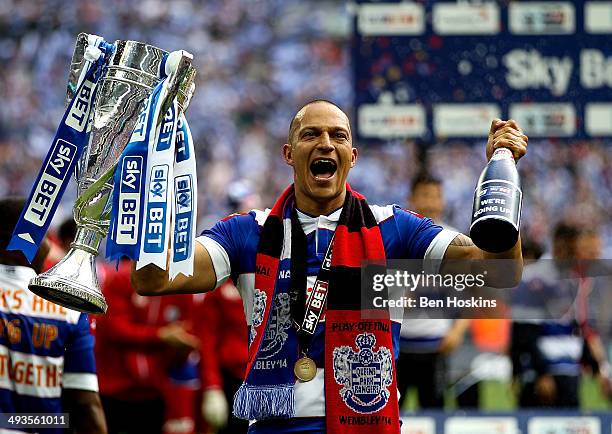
(86, 412)
(218, 254)
(152, 280)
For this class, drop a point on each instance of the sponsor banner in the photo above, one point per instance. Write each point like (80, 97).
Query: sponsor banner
(464, 120)
(598, 119)
(564, 425)
(466, 18)
(418, 425)
(598, 17)
(388, 121)
(595, 69)
(542, 18)
(530, 69)
(481, 425)
(488, 53)
(545, 120)
(391, 19)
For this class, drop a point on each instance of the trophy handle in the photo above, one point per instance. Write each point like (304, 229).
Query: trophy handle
(181, 81)
(78, 63)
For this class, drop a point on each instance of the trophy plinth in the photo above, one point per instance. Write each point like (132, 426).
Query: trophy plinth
(73, 282)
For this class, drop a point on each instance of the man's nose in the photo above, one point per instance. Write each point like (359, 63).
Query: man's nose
(325, 142)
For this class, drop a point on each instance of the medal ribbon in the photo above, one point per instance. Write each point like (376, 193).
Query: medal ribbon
(306, 314)
(70, 139)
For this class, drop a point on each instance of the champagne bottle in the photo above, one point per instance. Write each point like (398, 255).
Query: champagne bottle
(497, 204)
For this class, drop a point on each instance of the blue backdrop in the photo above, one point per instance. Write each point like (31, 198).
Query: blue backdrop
(548, 64)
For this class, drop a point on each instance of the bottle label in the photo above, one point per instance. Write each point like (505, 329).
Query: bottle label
(502, 154)
(498, 199)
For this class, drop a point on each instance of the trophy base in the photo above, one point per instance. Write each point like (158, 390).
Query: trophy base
(67, 293)
(72, 282)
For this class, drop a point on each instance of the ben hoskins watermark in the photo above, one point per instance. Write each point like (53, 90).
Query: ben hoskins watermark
(402, 285)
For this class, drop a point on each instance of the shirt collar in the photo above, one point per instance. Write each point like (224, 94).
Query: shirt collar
(310, 223)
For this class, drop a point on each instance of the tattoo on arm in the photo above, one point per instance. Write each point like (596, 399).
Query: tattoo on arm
(462, 241)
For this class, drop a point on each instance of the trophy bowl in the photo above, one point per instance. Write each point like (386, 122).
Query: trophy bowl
(131, 73)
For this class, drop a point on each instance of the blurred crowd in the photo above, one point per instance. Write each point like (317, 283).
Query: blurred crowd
(257, 61)
(561, 181)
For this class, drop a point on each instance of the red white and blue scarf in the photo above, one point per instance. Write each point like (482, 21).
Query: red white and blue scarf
(360, 377)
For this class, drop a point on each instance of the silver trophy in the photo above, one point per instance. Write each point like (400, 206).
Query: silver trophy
(132, 72)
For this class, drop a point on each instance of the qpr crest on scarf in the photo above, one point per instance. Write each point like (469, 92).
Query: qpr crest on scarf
(364, 375)
(275, 334)
(259, 308)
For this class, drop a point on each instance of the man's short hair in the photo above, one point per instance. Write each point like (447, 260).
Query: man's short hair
(297, 117)
(424, 178)
(10, 210)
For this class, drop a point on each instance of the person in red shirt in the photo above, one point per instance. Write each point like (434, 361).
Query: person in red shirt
(224, 337)
(140, 341)
(223, 333)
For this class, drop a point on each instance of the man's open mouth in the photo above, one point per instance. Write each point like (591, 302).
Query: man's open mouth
(323, 168)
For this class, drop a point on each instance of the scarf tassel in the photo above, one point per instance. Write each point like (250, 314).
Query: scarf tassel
(263, 402)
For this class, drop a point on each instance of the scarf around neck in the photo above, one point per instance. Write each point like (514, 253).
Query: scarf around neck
(360, 377)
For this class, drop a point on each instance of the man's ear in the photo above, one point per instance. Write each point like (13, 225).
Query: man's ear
(288, 154)
(354, 156)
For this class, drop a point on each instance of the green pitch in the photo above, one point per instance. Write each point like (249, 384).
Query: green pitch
(498, 396)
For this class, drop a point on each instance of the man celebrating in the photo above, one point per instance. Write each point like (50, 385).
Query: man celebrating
(316, 363)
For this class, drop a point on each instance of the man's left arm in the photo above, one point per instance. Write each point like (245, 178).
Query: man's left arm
(503, 134)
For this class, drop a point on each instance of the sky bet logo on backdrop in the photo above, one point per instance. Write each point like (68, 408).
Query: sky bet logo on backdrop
(50, 181)
(129, 201)
(155, 230)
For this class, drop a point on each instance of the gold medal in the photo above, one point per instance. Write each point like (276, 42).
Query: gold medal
(305, 369)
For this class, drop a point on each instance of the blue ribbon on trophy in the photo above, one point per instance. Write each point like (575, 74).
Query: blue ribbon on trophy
(155, 205)
(158, 197)
(186, 202)
(129, 181)
(71, 137)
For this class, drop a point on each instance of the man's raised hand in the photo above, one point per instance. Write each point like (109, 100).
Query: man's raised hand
(507, 134)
